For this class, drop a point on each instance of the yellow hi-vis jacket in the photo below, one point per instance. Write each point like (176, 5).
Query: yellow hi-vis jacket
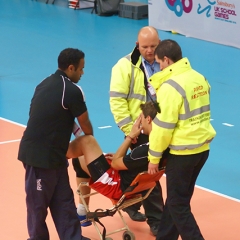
(184, 122)
(127, 90)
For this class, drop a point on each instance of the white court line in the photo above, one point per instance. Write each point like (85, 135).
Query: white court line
(104, 127)
(228, 124)
(6, 120)
(205, 189)
(11, 141)
(219, 194)
(214, 192)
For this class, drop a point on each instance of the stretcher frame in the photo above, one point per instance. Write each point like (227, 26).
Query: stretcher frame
(142, 182)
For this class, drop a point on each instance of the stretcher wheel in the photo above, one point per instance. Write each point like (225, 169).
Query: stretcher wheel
(127, 235)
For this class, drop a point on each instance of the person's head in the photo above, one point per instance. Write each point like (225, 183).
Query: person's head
(149, 112)
(71, 61)
(167, 52)
(147, 42)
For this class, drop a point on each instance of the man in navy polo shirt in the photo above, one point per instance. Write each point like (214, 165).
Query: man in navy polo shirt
(57, 101)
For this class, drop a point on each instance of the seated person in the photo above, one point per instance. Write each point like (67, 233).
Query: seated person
(112, 174)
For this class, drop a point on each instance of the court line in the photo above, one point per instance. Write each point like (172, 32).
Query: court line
(6, 120)
(214, 192)
(228, 124)
(11, 141)
(205, 189)
(103, 127)
(217, 193)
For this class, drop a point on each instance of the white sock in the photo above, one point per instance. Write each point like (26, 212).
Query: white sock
(81, 210)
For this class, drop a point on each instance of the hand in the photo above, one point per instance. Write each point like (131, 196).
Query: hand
(109, 156)
(134, 140)
(136, 129)
(152, 168)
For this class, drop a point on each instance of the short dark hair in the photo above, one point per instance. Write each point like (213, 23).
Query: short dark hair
(69, 56)
(170, 49)
(149, 109)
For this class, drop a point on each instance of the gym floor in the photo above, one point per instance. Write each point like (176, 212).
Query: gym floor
(32, 35)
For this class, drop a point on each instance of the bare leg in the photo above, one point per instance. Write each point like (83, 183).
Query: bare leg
(84, 145)
(84, 190)
(81, 208)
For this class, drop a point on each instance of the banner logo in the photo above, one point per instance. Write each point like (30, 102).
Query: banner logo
(180, 6)
(200, 10)
(223, 11)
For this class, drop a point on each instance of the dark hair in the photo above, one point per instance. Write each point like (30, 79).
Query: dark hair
(69, 56)
(170, 49)
(149, 109)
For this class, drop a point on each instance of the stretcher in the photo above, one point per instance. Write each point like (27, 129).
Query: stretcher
(139, 189)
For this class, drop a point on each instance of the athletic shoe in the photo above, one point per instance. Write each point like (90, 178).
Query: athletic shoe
(135, 215)
(84, 224)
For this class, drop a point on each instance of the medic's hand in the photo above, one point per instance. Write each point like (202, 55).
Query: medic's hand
(152, 168)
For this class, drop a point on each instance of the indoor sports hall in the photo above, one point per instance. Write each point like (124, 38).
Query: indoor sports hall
(33, 34)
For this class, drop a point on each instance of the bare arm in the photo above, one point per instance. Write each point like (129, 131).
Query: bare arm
(85, 123)
(117, 161)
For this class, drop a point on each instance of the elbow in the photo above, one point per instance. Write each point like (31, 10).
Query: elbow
(113, 165)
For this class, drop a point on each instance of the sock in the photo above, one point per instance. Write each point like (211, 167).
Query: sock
(81, 210)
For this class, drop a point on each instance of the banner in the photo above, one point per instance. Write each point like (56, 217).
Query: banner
(216, 21)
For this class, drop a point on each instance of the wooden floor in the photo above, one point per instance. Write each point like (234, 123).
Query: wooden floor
(217, 216)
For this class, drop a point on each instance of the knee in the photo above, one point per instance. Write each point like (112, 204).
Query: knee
(89, 145)
(88, 141)
(79, 145)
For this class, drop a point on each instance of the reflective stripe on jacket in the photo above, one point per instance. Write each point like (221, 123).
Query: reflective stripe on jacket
(184, 122)
(127, 90)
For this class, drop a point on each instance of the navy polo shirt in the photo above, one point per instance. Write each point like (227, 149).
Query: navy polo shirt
(54, 106)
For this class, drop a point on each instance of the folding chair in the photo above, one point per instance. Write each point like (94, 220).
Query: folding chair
(133, 194)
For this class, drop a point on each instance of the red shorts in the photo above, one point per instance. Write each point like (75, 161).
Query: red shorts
(108, 184)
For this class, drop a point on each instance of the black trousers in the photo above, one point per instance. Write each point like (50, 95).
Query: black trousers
(50, 188)
(153, 205)
(177, 219)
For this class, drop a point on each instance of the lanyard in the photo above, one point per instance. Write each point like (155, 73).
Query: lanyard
(145, 69)
(149, 86)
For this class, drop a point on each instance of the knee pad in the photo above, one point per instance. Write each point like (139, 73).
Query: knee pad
(78, 169)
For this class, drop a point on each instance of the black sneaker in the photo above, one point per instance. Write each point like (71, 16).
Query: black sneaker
(135, 216)
(154, 230)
